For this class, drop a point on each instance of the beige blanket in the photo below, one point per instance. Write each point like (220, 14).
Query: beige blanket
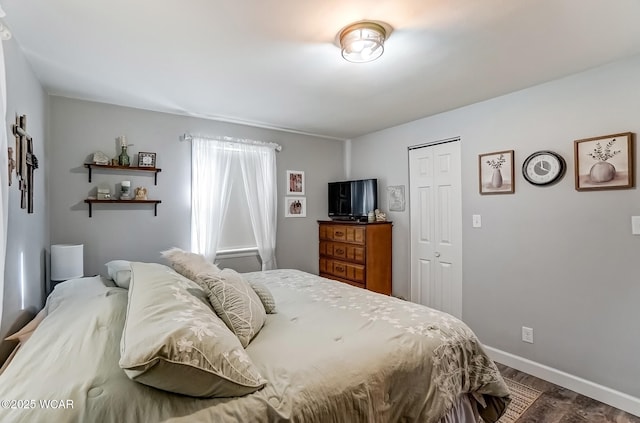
(331, 353)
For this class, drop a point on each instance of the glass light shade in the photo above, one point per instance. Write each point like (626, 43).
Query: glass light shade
(362, 42)
(67, 261)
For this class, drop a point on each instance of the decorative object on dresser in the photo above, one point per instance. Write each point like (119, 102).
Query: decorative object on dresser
(357, 253)
(604, 162)
(496, 174)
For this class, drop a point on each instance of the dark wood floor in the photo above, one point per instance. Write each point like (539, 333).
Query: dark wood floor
(560, 405)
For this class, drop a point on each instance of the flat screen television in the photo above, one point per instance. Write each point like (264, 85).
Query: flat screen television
(352, 200)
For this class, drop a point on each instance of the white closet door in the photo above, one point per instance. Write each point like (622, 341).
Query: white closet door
(436, 226)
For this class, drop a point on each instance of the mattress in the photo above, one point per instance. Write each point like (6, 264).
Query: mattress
(331, 353)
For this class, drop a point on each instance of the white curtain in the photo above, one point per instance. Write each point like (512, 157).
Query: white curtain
(258, 165)
(4, 183)
(210, 188)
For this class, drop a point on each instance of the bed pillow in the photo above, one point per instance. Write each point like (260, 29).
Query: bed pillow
(265, 296)
(172, 340)
(120, 272)
(189, 265)
(235, 302)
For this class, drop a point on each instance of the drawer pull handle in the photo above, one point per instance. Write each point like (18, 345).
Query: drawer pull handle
(339, 251)
(339, 269)
(338, 233)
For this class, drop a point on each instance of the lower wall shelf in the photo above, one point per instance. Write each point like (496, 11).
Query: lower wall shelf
(91, 202)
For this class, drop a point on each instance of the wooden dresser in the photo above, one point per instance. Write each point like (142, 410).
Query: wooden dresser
(357, 253)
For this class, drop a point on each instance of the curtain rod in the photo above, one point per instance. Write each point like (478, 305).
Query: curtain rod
(189, 137)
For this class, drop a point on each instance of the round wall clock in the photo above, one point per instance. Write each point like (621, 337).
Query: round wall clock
(543, 168)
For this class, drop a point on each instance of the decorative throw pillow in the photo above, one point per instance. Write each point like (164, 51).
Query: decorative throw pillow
(120, 272)
(189, 265)
(265, 296)
(235, 302)
(172, 340)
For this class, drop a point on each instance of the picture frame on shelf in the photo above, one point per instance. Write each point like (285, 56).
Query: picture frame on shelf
(295, 182)
(295, 207)
(496, 173)
(146, 159)
(604, 163)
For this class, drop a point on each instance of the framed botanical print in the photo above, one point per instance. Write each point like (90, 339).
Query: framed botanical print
(604, 163)
(496, 173)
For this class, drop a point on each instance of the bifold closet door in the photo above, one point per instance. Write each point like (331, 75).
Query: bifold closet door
(436, 226)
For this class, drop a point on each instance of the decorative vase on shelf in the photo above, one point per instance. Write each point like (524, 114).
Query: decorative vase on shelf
(602, 172)
(496, 179)
(123, 158)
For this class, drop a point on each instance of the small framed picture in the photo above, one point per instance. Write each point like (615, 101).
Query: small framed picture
(295, 182)
(604, 163)
(146, 159)
(295, 207)
(496, 173)
(395, 196)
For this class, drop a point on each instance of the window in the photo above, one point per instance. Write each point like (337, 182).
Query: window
(222, 174)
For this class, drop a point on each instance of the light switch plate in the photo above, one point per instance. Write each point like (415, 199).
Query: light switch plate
(635, 225)
(477, 221)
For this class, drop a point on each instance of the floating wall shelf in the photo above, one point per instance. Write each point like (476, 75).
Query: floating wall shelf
(153, 170)
(91, 202)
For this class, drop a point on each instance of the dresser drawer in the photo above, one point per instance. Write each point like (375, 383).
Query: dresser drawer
(344, 233)
(339, 250)
(350, 271)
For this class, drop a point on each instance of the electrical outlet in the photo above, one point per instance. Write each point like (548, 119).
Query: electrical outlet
(527, 334)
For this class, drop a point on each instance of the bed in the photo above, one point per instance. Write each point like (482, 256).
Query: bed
(329, 353)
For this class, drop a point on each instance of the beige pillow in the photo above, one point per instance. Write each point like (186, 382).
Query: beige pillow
(189, 265)
(265, 295)
(235, 302)
(172, 340)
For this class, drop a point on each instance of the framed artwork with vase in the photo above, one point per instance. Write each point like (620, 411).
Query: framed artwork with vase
(496, 173)
(604, 163)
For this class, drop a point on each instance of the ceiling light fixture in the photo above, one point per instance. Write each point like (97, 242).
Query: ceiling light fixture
(363, 41)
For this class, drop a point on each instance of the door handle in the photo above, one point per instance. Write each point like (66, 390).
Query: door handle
(437, 254)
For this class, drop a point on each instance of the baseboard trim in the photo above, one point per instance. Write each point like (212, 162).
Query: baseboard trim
(614, 398)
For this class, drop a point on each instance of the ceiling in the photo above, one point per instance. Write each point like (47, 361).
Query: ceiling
(275, 64)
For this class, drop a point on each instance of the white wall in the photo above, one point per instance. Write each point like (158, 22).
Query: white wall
(79, 128)
(560, 261)
(28, 234)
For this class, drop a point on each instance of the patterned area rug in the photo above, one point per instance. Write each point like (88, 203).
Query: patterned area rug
(522, 396)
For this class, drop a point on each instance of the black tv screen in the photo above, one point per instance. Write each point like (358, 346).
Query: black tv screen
(353, 200)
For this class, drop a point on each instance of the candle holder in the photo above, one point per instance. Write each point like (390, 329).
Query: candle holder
(125, 190)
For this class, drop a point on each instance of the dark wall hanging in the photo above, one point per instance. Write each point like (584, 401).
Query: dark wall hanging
(26, 162)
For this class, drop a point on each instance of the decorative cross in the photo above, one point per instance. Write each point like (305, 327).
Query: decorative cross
(27, 162)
